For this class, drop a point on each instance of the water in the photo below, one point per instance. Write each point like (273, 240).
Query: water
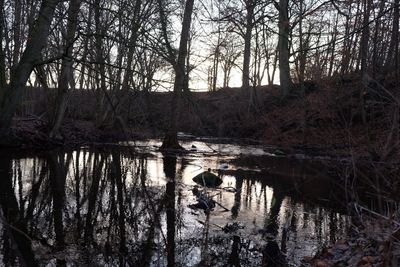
(110, 206)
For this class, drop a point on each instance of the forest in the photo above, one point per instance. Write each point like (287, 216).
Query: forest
(278, 118)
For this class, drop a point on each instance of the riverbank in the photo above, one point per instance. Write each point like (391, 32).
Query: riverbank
(326, 121)
(327, 118)
(78, 133)
(372, 242)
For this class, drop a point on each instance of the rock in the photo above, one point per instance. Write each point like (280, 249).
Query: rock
(207, 179)
(278, 152)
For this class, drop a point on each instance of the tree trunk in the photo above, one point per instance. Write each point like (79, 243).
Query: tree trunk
(375, 41)
(364, 54)
(11, 96)
(247, 45)
(101, 85)
(283, 47)
(303, 48)
(66, 69)
(274, 65)
(85, 53)
(171, 136)
(333, 47)
(365, 37)
(216, 65)
(132, 44)
(17, 40)
(3, 81)
(394, 40)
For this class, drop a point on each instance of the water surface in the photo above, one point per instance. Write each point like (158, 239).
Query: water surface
(112, 206)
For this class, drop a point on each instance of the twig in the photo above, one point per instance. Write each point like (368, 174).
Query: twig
(3, 221)
(226, 209)
(358, 206)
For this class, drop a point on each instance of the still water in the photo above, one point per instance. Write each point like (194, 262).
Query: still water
(118, 206)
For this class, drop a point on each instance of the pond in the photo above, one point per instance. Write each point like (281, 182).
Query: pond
(133, 206)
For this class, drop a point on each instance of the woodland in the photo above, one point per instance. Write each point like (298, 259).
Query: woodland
(310, 77)
(58, 58)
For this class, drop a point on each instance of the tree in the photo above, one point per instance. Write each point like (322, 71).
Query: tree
(392, 56)
(364, 53)
(250, 4)
(171, 136)
(3, 81)
(283, 48)
(11, 95)
(60, 104)
(230, 52)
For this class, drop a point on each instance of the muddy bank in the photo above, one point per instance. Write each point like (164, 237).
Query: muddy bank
(31, 132)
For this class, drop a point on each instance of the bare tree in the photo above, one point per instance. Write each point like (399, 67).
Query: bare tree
(283, 48)
(171, 137)
(66, 73)
(230, 52)
(250, 4)
(393, 55)
(3, 81)
(10, 96)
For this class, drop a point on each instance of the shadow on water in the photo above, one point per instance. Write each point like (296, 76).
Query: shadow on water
(107, 207)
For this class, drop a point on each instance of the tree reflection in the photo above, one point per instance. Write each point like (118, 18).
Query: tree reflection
(58, 174)
(271, 221)
(93, 194)
(272, 255)
(234, 257)
(238, 196)
(13, 222)
(170, 172)
(109, 207)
